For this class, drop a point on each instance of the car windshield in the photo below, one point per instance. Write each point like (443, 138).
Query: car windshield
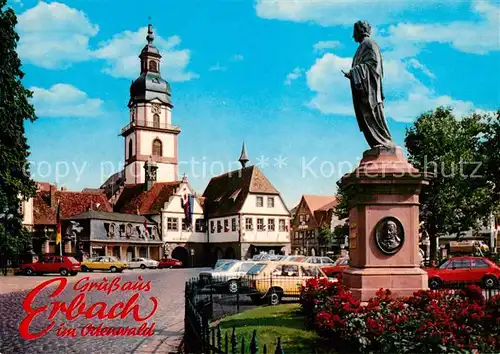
(340, 261)
(72, 260)
(444, 265)
(113, 259)
(256, 269)
(225, 266)
(222, 262)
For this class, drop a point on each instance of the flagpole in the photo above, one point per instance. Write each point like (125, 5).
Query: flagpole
(60, 247)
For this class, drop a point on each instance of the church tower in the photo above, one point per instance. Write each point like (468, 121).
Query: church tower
(150, 135)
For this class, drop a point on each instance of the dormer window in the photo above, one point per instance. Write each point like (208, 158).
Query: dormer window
(153, 66)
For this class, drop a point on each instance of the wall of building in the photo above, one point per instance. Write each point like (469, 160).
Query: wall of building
(27, 209)
(220, 235)
(173, 209)
(165, 173)
(146, 137)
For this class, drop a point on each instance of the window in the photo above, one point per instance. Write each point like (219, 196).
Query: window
(296, 235)
(122, 230)
(282, 225)
(199, 225)
(153, 66)
(286, 270)
(233, 224)
(111, 230)
(301, 218)
(260, 224)
(270, 224)
(58, 260)
(184, 226)
(157, 148)
(129, 230)
(219, 226)
(259, 202)
(270, 202)
(310, 271)
(156, 121)
(212, 226)
(479, 263)
(172, 224)
(248, 224)
(307, 217)
(226, 225)
(130, 149)
(460, 264)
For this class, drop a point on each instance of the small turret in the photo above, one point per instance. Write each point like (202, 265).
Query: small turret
(243, 157)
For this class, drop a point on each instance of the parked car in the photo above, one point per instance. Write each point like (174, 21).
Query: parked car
(52, 264)
(337, 268)
(457, 270)
(143, 263)
(294, 258)
(104, 263)
(227, 276)
(319, 260)
(169, 263)
(275, 280)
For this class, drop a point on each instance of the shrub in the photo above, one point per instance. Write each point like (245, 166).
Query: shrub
(428, 321)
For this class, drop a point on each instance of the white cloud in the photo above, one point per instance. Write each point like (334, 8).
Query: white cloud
(237, 57)
(414, 63)
(120, 52)
(478, 37)
(63, 100)
(328, 13)
(217, 67)
(294, 75)
(323, 45)
(409, 97)
(54, 35)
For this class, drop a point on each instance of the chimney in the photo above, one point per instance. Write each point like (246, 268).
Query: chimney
(150, 168)
(63, 188)
(52, 197)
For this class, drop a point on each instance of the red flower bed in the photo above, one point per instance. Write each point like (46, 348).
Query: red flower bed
(428, 321)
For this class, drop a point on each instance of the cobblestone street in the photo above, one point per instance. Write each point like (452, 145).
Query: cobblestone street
(167, 285)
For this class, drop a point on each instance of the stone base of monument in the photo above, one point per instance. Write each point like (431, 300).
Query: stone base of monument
(384, 225)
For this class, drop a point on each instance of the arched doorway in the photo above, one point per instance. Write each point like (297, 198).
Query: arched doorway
(130, 253)
(143, 252)
(181, 254)
(230, 253)
(217, 254)
(116, 251)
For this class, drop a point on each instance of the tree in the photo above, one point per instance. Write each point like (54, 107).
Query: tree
(15, 181)
(325, 236)
(460, 195)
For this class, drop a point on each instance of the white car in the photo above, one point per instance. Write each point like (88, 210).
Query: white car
(227, 275)
(143, 263)
(320, 261)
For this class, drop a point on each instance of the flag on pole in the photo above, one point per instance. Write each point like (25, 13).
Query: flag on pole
(58, 222)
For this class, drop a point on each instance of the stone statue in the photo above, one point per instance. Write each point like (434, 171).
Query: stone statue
(366, 76)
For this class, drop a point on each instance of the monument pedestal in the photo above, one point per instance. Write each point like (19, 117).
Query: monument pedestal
(384, 225)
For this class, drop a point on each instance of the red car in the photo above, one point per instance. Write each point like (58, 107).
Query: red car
(465, 270)
(52, 264)
(340, 265)
(169, 263)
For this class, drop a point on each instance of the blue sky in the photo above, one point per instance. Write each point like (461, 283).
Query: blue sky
(267, 72)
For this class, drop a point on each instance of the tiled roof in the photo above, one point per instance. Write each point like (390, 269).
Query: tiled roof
(319, 202)
(222, 196)
(92, 190)
(135, 198)
(71, 203)
(92, 214)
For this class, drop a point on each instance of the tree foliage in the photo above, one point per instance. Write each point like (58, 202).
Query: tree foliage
(15, 181)
(461, 155)
(325, 236)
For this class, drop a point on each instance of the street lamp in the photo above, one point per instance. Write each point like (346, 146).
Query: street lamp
(192, 257)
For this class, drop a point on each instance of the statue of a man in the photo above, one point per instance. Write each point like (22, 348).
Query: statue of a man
(366, 84)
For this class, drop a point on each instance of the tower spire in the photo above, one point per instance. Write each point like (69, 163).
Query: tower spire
(243, 157)
(150, 37)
